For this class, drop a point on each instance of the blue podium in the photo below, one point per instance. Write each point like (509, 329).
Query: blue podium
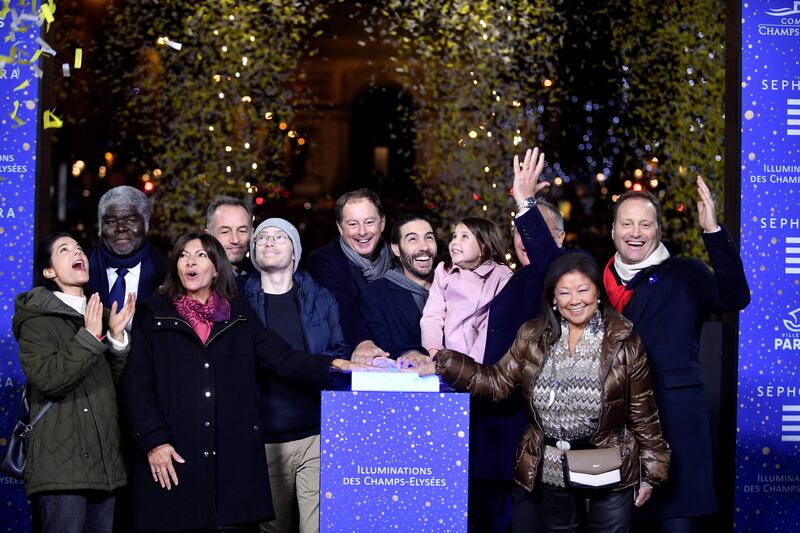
(394, 461)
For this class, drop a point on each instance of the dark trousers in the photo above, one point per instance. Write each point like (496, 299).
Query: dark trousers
(688, 524)
(75, 512)
(683, 524)
(554, 509)
(489, 506)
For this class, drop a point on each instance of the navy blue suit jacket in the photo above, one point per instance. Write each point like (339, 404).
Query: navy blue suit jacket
(330, 267)
(392, 317)
(497, 427)
(669, 305)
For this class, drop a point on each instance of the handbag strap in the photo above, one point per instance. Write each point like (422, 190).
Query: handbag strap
(40, 414)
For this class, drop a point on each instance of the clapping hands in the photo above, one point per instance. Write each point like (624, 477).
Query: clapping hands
(118, 320)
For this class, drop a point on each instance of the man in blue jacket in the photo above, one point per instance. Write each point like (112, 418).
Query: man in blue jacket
(288, 301)
(392, 306)
(668, 298)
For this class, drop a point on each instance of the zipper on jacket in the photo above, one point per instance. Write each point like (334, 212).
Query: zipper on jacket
(603, 377)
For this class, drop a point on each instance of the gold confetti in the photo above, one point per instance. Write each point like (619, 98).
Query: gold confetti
(51, 121)
(78, 57)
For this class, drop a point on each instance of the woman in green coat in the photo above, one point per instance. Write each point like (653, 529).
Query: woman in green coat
(72, 353)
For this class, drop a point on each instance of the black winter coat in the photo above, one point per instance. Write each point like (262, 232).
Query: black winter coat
(669, 305)
(202, 399)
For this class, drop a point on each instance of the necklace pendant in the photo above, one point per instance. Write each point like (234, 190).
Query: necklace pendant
(552, 398)
(562, 445)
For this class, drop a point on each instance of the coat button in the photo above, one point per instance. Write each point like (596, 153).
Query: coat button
(208, 394)
(86, 455)
(255, 428)
(176, 322)
(206, 365)
(205, 454)
(158, 323)
(206, 423)
(85, 409)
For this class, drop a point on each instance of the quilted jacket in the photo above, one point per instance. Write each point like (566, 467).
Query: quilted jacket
(76, 445)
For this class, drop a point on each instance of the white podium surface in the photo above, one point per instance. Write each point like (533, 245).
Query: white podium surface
(394, 381)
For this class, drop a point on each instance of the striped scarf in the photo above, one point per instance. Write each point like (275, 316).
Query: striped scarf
(568, 393)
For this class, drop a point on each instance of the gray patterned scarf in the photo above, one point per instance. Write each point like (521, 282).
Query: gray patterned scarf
(371, 270)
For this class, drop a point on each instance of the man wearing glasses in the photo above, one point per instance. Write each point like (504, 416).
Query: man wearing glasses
(291, 303)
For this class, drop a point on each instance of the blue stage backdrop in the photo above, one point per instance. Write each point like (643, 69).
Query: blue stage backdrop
(394, 461)
(768, 425)
(19, 98)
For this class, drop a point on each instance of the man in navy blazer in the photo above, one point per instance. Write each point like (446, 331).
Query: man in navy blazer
(496, 428)
(392, 306)
(668, 298)
(349, 263)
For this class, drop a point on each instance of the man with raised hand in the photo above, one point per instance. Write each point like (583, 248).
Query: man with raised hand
(668, 298)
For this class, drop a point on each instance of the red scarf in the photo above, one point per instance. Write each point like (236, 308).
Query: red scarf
(197, 314)
(618, 294)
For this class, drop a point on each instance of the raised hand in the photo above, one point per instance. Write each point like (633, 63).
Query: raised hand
(160, 459)
(118, 321)
(526, 177)
(706, 207)
(93, 316)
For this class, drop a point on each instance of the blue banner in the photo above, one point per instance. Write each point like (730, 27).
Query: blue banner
(393, 461)
(19, 103)
(768, 423)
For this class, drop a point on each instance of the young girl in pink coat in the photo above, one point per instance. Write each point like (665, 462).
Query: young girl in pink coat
(456, 313)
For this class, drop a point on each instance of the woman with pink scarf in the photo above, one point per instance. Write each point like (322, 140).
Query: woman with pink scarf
(190, 394)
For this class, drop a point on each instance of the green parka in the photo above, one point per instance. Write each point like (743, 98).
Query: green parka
(76, 445)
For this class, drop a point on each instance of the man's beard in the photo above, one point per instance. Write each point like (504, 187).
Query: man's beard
(408, 263)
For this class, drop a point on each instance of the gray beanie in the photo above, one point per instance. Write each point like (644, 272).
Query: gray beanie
(288, 228)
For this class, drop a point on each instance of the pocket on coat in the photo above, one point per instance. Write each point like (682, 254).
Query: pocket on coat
(676, 378)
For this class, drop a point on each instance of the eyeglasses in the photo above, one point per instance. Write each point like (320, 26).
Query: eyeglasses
(277, 239)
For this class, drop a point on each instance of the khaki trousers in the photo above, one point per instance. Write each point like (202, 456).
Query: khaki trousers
(294, 471)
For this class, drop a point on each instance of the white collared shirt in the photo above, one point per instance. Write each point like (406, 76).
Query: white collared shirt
(131, 278)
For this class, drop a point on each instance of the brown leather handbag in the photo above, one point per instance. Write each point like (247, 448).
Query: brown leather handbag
(598, 468)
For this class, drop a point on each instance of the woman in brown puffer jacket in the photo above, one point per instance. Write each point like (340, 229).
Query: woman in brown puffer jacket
(584, 378)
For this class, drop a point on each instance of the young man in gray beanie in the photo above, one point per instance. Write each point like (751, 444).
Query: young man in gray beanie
(288, 301)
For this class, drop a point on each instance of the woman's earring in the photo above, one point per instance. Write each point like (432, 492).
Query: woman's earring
(555, 307)
(598, 301)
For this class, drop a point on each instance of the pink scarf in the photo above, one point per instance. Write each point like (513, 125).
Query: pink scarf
(197, 314)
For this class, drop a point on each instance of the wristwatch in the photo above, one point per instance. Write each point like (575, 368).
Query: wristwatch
(527, 203)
